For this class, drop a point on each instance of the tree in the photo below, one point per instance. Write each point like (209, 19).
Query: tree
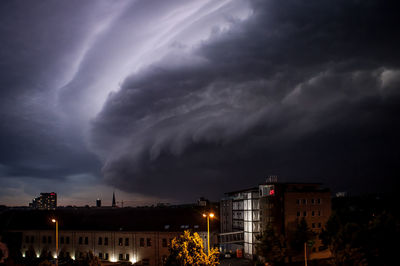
(271, 246)
(188, 249)
(302, 234)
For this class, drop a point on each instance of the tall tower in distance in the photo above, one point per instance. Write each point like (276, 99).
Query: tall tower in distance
(113, 201)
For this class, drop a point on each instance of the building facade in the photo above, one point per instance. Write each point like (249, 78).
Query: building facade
(246, 214)
(143, 248)
(46, 201)
(137, 235)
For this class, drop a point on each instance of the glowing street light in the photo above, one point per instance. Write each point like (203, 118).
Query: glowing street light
(56, 222)
(208, 216)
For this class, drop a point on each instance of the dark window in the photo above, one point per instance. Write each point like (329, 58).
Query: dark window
(106, 257)
(304, 201)
(313, 225)
(142, 242)
(312, 201)
(44, 240)
(319, 225)
(101, 255)
(298, 213)
(304, 213)
(80, 240)
(312, 213)
(164, 242)
(49, 239)
(26, 239)
(145, 262)
(86, 240)
(126, 241)
(32, 239)
(319, 201)
(126, 256)
(319, 213)
(100, 242)
(106, 241)
(62, 240)
(67, 240)
(121, 257)
(298, 202)
(120, 242)
(149, 242)
(67, 254)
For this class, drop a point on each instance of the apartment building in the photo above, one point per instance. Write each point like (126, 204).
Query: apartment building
(247, 213)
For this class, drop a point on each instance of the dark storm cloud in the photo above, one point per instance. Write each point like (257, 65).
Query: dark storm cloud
(39, 43)
(308, 90)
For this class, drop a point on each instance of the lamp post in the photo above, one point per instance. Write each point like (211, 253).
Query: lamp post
(56, 222)
(208, 216)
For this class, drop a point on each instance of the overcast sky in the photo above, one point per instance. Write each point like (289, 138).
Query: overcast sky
(170, 100)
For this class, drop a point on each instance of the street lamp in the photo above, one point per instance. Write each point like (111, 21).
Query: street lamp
(208, 216)
(56, 222)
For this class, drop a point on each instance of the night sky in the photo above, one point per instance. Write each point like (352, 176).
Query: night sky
(167, 101)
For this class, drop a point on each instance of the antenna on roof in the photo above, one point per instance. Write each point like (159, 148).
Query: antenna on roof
(272, 179)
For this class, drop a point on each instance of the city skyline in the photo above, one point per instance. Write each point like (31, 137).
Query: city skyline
(168, 101)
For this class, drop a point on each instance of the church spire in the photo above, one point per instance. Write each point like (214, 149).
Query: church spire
(113, 201)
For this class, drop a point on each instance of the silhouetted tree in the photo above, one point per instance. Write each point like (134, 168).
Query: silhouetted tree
(271, 246)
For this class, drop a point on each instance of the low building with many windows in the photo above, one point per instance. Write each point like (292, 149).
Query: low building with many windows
(136, 235)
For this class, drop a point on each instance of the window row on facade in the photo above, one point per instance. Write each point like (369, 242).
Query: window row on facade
(304, 213)
(101, 241)
(306, 201)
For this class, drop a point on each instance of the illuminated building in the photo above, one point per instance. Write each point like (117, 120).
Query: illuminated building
(46, 201)
(246, 213)
(138, 235)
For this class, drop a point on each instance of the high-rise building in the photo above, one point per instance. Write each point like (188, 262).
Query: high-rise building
(245, 214)
(98, 203)
(46, 201)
